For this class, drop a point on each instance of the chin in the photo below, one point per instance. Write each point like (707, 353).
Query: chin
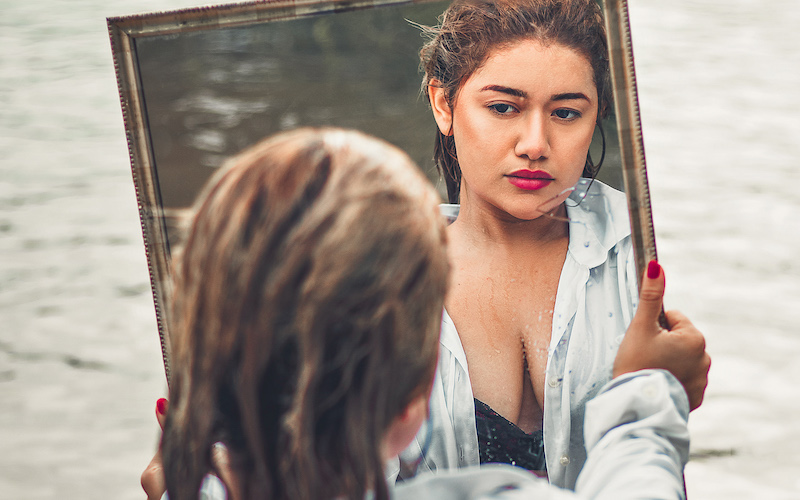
(523, 213)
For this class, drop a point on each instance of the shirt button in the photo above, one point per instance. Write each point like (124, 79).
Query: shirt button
(554, 382)
(564, 460)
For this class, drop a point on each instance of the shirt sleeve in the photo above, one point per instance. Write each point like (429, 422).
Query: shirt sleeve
(637, 438)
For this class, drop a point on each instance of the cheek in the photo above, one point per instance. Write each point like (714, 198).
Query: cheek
(577, 145)
(471, 138)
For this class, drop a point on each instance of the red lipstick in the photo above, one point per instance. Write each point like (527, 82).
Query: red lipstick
(530, 180)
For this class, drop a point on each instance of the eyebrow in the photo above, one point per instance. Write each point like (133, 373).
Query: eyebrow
(567, 96)
(506, 90)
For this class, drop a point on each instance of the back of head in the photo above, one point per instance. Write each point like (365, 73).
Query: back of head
(306, 314)
(470, 30)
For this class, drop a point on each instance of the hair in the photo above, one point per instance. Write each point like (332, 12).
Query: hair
(305, 318)
(470, 29)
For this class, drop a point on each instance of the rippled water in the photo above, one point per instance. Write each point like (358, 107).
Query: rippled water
(80, 367)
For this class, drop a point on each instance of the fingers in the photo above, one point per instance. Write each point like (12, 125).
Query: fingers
(152, 478)
(162, 405)
(652, 293)
(651, 297)
(692, 363)
(677, 320)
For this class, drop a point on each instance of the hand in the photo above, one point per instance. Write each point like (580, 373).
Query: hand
(153, 476)
(681, 350)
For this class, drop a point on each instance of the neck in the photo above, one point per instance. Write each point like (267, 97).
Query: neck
(482, 226)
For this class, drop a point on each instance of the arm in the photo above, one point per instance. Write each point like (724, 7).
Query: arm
(635, 430)
(637, 438)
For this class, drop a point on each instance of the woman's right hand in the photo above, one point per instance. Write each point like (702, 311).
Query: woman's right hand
(681, 350)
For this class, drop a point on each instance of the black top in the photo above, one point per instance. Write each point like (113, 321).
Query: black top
(500, 441)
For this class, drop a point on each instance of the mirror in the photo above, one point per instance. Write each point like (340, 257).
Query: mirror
(199, 85)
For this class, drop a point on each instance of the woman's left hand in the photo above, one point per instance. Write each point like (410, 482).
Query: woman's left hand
(153, 476)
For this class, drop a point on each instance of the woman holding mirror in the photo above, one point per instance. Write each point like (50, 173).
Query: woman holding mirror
(305, 335)
(543, 284)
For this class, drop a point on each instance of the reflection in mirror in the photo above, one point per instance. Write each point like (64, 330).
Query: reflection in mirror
(208, 94)
(200, 85)
(211, 93)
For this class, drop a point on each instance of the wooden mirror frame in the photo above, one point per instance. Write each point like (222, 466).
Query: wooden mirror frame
(125, 31)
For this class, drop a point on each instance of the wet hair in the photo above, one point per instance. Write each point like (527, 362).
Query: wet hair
(306, 312)
(470, 29)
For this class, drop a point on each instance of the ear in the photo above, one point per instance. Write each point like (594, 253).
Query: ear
(405, 426)
(441, 109)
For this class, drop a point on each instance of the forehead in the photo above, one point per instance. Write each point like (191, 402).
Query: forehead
(536, 68)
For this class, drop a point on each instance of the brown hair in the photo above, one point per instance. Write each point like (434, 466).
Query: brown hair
(306, 315)
(470, 29)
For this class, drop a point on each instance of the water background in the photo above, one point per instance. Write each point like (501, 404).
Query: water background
(80, 366)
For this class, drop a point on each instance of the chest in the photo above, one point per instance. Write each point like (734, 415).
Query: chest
(504, 319)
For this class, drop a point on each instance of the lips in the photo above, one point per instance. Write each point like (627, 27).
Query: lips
(530, 180)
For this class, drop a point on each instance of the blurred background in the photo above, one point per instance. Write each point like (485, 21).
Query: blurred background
(80, 362)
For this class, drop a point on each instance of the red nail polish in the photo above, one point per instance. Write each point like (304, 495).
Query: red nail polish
(653, 269)
(161, 406)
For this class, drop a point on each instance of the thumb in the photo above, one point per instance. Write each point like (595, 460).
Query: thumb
(162, 405)
(651, 297)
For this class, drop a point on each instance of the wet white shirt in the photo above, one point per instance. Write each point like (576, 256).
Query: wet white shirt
(638, 441)
(596, 298)
(638, 445)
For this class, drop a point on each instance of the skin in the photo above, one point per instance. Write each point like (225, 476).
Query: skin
(529, 106)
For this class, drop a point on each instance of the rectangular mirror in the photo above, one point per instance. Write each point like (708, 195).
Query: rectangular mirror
(199, 85)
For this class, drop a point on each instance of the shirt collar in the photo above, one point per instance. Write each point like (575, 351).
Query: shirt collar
(597, 224)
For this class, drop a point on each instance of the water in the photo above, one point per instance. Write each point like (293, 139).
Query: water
(718, 83)
(80, 366)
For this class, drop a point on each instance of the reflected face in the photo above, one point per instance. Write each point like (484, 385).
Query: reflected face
(522, 124)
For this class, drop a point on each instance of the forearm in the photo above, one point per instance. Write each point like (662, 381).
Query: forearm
(636, 438)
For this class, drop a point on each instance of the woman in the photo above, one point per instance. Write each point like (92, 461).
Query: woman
(543, 286)
(306, 317)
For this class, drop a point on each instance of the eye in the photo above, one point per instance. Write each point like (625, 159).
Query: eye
(502, 108)
(567, 114)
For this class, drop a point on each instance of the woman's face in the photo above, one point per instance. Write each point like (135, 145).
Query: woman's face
(522, 125)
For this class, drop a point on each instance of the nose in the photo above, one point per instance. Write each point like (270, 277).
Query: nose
(533, 141)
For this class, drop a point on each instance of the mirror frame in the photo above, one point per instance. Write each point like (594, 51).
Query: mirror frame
(631, 140)
(125, 30)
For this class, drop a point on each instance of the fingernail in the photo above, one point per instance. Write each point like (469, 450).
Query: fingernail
(161, 406)
(653, 269)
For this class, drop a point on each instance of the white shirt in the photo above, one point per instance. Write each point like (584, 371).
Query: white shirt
(596, 298)
(638, 443)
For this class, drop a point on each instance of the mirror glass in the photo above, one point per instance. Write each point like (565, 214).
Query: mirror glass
(199, 85)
